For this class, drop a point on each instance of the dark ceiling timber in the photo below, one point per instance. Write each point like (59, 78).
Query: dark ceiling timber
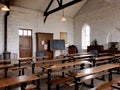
(61, 6)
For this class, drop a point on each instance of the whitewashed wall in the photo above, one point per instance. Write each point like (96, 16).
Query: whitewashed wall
(30, 19)
(104, 20)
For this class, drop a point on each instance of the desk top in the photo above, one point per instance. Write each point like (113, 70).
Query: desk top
(63, 64)
(6, 66)
(52, 60)
(17, 80)
(83, 56)
(93, 70)
(23, 59)
(103, 58)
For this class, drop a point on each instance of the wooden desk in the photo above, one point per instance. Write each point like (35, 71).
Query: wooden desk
(107, 85)
(50, 67)
(83, 56)
(20, 60)
(7, 82)
(102, 58)
(5, 67)
(85, 72)
(63, 64)
(51, 60)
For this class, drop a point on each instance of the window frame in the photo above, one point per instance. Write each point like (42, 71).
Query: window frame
(85, 36)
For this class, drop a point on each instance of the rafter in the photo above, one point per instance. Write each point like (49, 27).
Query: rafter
(59, 3)
(49, 5)
(61, 6)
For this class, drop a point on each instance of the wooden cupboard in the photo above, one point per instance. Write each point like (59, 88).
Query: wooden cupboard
(42, 43)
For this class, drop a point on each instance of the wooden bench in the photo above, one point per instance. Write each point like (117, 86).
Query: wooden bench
(89, 77)
(20, 69)
(8, 82)
(59, 80)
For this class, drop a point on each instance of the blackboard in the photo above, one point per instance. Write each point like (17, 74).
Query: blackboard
(57, 45)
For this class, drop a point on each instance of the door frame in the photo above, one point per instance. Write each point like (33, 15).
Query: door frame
(28, 36)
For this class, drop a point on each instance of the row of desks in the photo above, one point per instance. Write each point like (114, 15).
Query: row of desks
(92, 70)
(22, 80)
(76, 76)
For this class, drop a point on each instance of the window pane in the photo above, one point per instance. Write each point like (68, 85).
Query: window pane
(25, 32)
(85, 36)
(20, 32)
(29, 33)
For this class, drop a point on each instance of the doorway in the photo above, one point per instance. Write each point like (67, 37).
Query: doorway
(25, 43)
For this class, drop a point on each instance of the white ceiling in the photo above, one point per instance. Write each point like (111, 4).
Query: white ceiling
(41, 5)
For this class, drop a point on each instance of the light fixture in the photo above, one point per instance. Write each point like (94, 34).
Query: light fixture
(63, 18)
(5, 8)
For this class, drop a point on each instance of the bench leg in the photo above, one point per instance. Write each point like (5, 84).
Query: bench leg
(92, 83)
(5, 71)
(57, 87)
(19, 72)
(110, 75)
(23, 86)
(49, 79)
(76, 84)
(23, 71)
(7, 88)
(38, 84)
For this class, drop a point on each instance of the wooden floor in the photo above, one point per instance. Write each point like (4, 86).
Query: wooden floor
(64, 87)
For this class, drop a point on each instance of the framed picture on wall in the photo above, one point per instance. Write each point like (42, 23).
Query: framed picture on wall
(63, 36)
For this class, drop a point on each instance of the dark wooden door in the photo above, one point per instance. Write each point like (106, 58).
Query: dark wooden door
(42, 42)
(25, 46)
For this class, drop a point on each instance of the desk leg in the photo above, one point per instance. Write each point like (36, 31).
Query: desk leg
(76, 84)
(94, 62)
(19, 66)
(33, 68)
(110, 75)
(5, 71)
(49, 78)
(23, 71)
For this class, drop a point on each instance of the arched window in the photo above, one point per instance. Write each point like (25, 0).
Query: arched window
(85, 36)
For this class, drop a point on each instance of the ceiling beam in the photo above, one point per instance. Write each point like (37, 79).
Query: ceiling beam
(59, 3)
(49, 5)
(46, 13)
(61, 7)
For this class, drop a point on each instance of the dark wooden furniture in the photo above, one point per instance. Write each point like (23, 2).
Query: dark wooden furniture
(89, 71)
(42, 43)
(112, 51)
(99, 48)
(102, 60)
(49, 69)
(22, 80)
(72, 49)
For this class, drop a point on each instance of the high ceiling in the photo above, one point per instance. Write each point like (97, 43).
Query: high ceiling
(41, 5)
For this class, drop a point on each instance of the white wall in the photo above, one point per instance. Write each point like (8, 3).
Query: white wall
(30, 19)
(103, 18)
